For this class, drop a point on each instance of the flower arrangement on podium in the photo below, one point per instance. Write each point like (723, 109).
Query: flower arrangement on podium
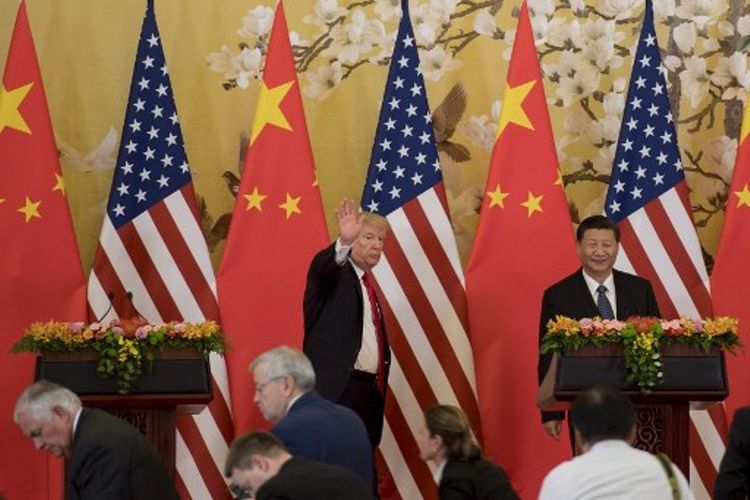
(121, 346)
(640, 338)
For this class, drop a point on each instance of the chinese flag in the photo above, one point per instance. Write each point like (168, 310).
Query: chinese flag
(277, 227)
(40, 270)
(730, 280)
(524, 244)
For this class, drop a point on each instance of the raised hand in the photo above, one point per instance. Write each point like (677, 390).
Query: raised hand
(347, 218)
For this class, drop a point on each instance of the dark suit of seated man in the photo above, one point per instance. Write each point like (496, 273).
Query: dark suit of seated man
(733, 480)
(259, 464)
(308, 425)
(581, 295)
(107, 458)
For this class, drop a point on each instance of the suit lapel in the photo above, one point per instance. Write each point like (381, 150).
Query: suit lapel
(624, 303)
(582, 295)
(355, 279)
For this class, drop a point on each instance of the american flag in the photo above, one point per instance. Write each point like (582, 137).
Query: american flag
(420, 274)
(152, 258)
(648, 197)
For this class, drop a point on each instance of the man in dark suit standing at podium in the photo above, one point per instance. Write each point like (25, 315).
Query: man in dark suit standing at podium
(345, 334)
(106, 456)
(596, 289)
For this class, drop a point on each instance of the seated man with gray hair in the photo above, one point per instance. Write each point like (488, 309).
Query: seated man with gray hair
(309, 426)
(107, 458)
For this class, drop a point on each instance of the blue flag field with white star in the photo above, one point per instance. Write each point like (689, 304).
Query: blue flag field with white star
(648, 198)
(419, 275)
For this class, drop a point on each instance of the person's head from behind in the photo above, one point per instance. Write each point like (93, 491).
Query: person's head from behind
(253, 459)
(279, 376)
(446, 435)
(368, 247)
(602, 413)
(598, 242)
(45, 413)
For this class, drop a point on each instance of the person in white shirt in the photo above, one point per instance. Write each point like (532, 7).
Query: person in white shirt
(609, 467)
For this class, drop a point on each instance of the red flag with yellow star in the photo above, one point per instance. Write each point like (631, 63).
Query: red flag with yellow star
(730, 279)
(524, 244)
(277, 227)
(40, 270)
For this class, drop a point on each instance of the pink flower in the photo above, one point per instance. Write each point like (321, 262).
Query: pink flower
(76, 326)
(697, 325)
(95, 327)
(117, 330)
(613, 324)
(598, 327)
(672, 328)
(586, 326)
(142, 332)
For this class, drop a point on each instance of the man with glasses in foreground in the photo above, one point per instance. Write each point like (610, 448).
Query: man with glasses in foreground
(308, 425)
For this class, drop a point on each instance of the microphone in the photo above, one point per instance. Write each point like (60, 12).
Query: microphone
(129, 294)
(110, 298)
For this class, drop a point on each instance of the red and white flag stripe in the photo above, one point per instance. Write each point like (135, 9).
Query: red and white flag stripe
(659, 242)
(157, 259)
(421, 288)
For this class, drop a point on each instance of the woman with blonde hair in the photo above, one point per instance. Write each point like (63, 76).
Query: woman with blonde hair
(462, 473)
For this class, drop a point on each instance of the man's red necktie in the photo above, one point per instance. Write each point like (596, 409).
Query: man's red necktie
(377, 320)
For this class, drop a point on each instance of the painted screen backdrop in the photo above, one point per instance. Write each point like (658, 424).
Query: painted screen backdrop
(85, 59)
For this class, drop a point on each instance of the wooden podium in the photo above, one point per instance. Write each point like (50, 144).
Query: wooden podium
(693, 379)
(178, 381)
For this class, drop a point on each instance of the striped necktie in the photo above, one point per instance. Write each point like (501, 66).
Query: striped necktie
(602, 302)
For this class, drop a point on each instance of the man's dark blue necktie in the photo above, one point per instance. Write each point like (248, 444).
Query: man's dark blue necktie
(605, 308)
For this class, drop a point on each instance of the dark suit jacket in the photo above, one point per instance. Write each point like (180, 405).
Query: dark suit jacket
(301, 479)
(475, 480)
(571, 297)
(333, 322)
(317, 429)
(733, 481)
(112, 460)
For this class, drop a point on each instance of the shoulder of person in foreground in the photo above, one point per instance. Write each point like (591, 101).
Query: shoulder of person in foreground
(475, 479)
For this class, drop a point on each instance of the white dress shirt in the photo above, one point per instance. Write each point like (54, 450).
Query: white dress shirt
(612, 469)
(609, 283)
(76, 418)
(367, 359)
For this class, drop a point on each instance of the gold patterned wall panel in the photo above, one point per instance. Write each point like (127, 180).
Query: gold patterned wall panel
(215, 51)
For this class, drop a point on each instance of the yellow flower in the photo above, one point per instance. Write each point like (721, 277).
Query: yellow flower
(559, 325)
(645, 341)
(720, 325)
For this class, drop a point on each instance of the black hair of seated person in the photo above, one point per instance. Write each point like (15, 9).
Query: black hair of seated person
(602, 413)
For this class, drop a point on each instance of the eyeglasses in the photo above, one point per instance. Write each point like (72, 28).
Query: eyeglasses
(239, 492)
(259, 387)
